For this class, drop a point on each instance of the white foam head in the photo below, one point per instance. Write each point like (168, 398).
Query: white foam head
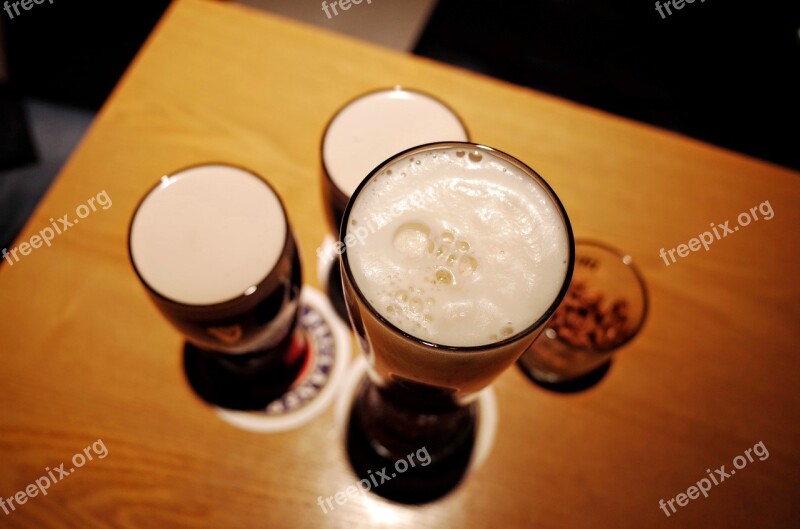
(457, 246)
(379, 125)
(207, 234)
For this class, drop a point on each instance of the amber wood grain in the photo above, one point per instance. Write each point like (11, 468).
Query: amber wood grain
(85, 355)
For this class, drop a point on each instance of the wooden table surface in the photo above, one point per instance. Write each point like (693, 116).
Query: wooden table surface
(85, 355)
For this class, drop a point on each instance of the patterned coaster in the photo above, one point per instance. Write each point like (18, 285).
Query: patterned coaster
(329, 350)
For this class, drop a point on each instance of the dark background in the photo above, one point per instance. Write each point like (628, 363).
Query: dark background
(722, 71)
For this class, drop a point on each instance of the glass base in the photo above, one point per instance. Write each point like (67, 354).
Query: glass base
(246, 381)
(406, 464)
(559, 384)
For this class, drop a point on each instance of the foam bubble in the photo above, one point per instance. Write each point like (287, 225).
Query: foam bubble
(412, 240)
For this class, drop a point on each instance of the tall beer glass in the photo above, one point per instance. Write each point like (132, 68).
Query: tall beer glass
(454, 256)
(214, 249)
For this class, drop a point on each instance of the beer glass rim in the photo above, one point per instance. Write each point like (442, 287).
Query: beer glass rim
(344, 262)
(396, 88)
(220, 304)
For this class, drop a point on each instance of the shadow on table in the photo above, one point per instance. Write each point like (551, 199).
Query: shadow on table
(583, 383)
(414, 485)
(238, 382)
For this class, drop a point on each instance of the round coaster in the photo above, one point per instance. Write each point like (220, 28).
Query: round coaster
(329, 350)
(487, 412)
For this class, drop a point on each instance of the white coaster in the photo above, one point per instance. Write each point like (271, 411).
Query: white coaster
(329, 350)
(486, 427)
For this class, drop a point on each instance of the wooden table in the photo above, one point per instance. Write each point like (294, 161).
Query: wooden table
(85, 355)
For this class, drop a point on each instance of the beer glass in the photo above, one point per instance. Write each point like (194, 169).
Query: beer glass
(373, 127)
(366, 131)
(419, 392)
(214, 249)
(605, 307)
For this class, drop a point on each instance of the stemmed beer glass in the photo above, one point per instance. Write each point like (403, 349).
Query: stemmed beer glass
(454, 256)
